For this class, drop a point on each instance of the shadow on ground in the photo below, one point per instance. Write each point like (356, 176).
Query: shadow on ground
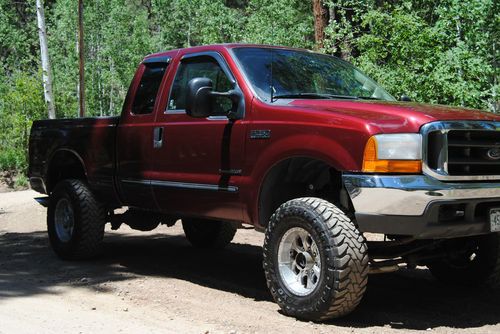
(407, 300)
(28, 265)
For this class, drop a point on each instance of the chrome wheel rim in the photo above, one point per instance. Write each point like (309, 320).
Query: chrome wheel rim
(64, 220)
(299, 262)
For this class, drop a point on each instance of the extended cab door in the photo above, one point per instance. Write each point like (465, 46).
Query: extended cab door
(197, 168)
(136, 132)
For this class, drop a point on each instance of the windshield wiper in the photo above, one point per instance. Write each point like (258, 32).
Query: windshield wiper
(368, 98)
(313, 96)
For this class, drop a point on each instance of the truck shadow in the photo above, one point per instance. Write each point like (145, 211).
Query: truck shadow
(413, 299)
(406, 300)
(28, 266)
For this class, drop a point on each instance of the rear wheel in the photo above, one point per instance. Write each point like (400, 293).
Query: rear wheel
(470, 261)
(75, 221)
(315, 260)
(208, 233)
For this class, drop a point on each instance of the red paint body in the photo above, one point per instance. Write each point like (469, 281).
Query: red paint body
(117, 149)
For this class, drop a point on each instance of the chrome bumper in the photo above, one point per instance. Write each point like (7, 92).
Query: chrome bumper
(421, 206)
(410, 195)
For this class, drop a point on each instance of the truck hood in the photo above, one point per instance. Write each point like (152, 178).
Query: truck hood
(384, 116)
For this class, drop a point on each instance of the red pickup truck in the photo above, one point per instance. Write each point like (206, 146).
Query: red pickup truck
(300, 145)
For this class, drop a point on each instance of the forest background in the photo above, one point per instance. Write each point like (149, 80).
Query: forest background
(433, 51)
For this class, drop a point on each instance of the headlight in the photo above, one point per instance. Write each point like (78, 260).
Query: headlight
(393, 153)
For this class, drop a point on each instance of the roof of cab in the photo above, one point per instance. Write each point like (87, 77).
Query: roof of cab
(218, 47)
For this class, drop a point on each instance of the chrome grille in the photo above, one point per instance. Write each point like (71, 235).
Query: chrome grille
(462, 150)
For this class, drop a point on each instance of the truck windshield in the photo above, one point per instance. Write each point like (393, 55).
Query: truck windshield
(281, 73)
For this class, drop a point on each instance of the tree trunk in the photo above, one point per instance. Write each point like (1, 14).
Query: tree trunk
(44, 51)
(111, 105)
(320, 21)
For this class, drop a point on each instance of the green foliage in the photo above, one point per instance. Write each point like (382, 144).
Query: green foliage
(448, 59)
(398, 50)
(21, 182)
(21, 102)
(18, 35)
(280, 22)
(11, 159)
(183, 23)
(345, 26)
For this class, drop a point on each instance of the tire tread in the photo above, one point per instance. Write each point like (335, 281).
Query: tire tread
(89, 221)
(349, 265)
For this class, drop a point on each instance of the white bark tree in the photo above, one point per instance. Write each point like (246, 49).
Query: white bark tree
(44, 51)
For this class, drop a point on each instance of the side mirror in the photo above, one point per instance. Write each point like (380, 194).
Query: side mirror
(198, 97)
(404, 98)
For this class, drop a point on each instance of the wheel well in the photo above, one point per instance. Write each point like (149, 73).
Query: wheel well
(64, 165)
(300, 177)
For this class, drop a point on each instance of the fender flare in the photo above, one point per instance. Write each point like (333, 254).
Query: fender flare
(53, 157)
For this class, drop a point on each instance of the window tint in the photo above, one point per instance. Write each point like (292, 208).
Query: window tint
(147, 91)
(205, 67)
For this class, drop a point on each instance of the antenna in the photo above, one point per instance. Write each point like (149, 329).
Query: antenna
(271, 87)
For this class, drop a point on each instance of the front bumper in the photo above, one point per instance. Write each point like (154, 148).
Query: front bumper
(421, 206)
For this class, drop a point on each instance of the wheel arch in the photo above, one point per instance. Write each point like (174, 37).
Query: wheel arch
(64, 163)
(299, 176)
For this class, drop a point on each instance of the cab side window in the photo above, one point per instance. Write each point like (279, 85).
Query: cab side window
(205, 67)
(145, 96)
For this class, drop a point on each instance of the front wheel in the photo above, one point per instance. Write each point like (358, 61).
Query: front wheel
(75, 221)
(315, 260)
(470, 261)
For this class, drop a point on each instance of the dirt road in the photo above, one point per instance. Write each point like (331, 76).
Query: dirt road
(156, 282)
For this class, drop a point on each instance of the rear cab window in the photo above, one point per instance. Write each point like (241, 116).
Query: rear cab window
(147, 91)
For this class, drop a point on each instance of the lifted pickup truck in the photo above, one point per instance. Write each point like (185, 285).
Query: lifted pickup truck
(300, 145)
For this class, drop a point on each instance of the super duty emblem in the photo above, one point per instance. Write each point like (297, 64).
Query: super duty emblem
(260, 134)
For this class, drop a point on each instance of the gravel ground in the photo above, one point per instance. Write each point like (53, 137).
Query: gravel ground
(155, 282)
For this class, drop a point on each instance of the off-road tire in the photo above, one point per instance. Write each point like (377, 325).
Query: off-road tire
(208, 233)
(343, 253)
(483, 270)
(89, 221)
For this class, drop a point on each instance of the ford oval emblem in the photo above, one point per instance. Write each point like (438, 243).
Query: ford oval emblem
(494, 153)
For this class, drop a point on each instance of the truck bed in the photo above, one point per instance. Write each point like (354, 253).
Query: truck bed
(89, 141)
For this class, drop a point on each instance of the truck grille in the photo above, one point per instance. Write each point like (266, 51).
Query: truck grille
(473, 152)
(462, 150)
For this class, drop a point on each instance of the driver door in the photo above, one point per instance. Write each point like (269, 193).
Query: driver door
(198, 165)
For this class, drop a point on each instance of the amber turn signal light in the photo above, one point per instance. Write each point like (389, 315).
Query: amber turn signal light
(371, 163)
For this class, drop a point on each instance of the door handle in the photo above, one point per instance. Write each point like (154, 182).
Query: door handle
(158, 137)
